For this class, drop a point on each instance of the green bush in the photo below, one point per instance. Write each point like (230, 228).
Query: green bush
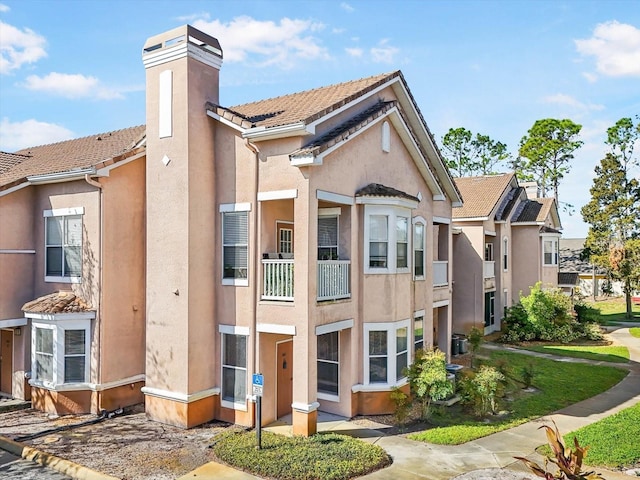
(402, 404)
(545, 315)
(323, 456)
(585, 313)
(428, 379)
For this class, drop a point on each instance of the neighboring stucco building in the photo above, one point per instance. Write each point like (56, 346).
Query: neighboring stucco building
(72, 268)
(504, 243)
(305, 237)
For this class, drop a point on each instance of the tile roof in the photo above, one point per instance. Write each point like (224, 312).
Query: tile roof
(534, 210)
(345, 129)
(378, 190)
(302, 107)
(480, 194)
(69, 155)
(57, 302)
(10, 160)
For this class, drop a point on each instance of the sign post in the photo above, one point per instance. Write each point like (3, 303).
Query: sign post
(258, 386)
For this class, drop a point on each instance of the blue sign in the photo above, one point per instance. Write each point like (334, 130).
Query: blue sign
(258, 379)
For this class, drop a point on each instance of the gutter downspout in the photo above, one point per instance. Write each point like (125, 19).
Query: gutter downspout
(256, 257)
(99, 186)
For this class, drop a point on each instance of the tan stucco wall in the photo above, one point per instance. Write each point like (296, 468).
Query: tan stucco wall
(468, 289)
(527, 259)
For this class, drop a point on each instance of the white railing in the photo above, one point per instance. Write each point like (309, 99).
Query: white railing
(489, 269)
(277, 280)
(440, 273)
(333, 279)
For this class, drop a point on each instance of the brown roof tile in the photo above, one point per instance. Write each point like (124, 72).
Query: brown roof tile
(378, 190)
(480, 194)
(72, 154)
(302, 107)
(10, 160)
(58, 302)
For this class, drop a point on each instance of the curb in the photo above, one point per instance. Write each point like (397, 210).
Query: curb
(61, 465)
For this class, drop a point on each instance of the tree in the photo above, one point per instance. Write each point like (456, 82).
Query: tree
(546, 151)
(467, 155)
(612, 213)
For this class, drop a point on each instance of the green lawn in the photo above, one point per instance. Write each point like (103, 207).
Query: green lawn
(559, 385)
(614, 310)
(602, 353)
(635, 332)
(614, 442)
(323, 456)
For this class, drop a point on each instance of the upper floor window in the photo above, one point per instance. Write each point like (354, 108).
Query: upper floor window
(505, 254)
(488, 252)
(328, 237)
(550, 251)
(387, 240)
(418, 250)
(63, 245)
(235, 244)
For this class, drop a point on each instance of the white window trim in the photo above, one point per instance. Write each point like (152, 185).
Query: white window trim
(60, 212)
(391, 213)
(59, 326)
(417, 314)
(505, 254)
(243, 332)
(390, 328)
(327, 396)
(229, 208)
(419, 221)
(555, 250)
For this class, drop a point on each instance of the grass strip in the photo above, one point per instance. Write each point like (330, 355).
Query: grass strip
(600, 353)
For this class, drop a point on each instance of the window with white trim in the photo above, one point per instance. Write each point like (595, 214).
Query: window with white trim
(328, 237)
(418, 333)
(387, 355)
(235, 245)
(234, 368)
(387, 239)
(418, 250)
(505, 254)
(60, 352)
(285, 242)
(63, 245)
(488, 252)
(328, 363)
(550, 250)
(402, 242)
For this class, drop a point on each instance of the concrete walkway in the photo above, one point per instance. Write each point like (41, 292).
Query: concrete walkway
(415, 460)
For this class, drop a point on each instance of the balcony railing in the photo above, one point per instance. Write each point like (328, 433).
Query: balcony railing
(440, 273)
(333, 279)
(277, 281)
(489, 269)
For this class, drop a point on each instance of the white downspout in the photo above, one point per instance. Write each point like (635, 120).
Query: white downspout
(256, 257)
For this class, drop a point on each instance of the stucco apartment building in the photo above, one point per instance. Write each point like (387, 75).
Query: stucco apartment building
(306, 237)
(505, 241)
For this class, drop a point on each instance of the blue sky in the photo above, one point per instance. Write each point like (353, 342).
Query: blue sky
(73, 68)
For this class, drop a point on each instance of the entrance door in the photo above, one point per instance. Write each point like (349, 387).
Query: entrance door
(6, 360)
(284, 359)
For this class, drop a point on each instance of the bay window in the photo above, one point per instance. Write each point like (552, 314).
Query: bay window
(387, 352)
(378, 241)
(388, 240)
(550, 251)
(402, 242)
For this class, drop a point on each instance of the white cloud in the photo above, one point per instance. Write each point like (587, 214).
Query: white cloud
(591, 77)
(346, 7)
(18, 47)
(568, 100)
(266, 43)
(616, 47)
(30, 133)
(193, 17)
(383, 53)
(71, 86)
(354, 52)
(4, 8)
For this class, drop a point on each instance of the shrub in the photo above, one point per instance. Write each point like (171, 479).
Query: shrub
(402, 404)
(475, 339)
(480, 390)
(428, 379)
(528, 374)
(586, 313)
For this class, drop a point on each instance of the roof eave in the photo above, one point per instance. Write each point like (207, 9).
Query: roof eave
(282, 131)
(69, 175)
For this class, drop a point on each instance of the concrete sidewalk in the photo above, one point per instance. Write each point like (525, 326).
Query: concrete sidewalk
(415, 460)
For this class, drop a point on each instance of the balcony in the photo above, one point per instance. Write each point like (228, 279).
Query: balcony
(333, 279)
(277, 279)
(440, 273)
(489, 269)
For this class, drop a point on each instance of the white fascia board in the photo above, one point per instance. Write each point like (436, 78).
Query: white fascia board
(387, 201)
(549, 234)
(304, 160)
(527, 224)
(15, 188)
(414, 150)
(335, 197)
(60, 317)
(104, 172)
(233, 330)
(441, 220)
(13, 322)
(334, 327)
(284, 131)
(490, 233)
(424, 138)
(61, 176)
(470, 219)
(16, 251)
(277, 195)
(180, 50)
(226, 122)
(274, 328)
(441, 303)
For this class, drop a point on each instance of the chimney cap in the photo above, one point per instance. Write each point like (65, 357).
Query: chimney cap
(185, 33)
